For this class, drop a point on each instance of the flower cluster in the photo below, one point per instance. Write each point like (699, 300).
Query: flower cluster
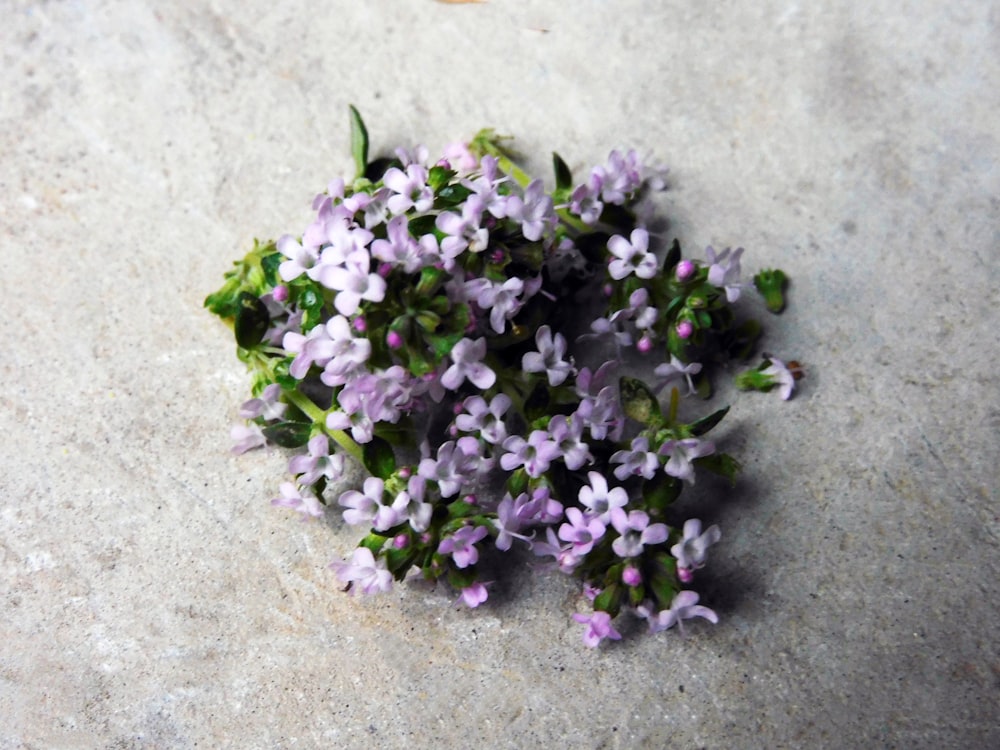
(423, 324)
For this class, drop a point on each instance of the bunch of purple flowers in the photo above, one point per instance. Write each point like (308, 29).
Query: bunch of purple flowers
(422, 325)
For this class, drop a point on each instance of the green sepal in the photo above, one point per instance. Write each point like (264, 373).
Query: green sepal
(771, 283)
(639, 403)
(564, 177)
(536, 406)
(461, 578)
(705, 424)
(399, 561)
(517, 482)
(288, 434)
(452, 195)
(610, 600)
(359, 142)
(374, 542)
(430, 281)
(720, 463)
(438, 177)
(664, 588)
(252, 320)
(379, 458)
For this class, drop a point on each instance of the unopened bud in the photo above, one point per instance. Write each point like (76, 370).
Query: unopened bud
(280, 293)
(401, 541)
(685, 270)
(631, 576)
(685, 329)
(394, 340)
(644, 345)
(685, 575)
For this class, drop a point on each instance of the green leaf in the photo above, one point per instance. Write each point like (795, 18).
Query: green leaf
(288, 434)
(564, 177)
(438, 177)
(720, 463)
(374, 542)
(461, 578)
(378, 457)
(663, 588)
(660, 491)
(609, 600)
(705, 424)
(638, 402)
(771, 283)
(536, 405)
(359, 142)
(430, 280)
(252, 320)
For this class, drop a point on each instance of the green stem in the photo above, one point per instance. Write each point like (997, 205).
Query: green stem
(317, 415)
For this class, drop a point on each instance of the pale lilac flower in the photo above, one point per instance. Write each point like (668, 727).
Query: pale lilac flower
(510, 520)
(319, 462)
(592, 383)
(302, 500)
(417, 511)
(674, 370)
(368, 507)
(683, 607)
(315, 347)
(460, 157)
(602, 415)
(563, 553)
(266, 405)
(400, 249)
(725, 271)
(486, 420)
(534, 211)
(636, 531)
(638, 460)
(246, 437)
(502, 300)
(681, 453)
(465, 231)
(692, 551)
(300, 258)
(542, 508)
(461, 545)
(631, 256)
(620, 177)
(458, 463)
(467, 362)
(782, 377)
(346, 353)
(370, 575)
(535, 454)
(599, 500)
(346, 241)
(585, 201)
(354, 283)
(362, 426)
(581, 532)
(549, 357)
(568, 436)
(410, 188)
(474, 595)
(599, 627)
(485, 187)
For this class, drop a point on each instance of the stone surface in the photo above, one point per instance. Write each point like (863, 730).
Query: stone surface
(151, 596)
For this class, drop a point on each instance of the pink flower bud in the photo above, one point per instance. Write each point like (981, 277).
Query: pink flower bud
(400, 541)
(631, 576)
(685, 575)
(685, 269)
(280, 293)
(394, 340)
(384, 269)
(607, 289)
(644, 345)
(685, 329)
(359, 324)
(471, 499)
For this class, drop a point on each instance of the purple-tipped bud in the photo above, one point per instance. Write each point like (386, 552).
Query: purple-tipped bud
(685, 575)
(644, 345)
(685, 329)
(685, 270)
(405, 472)
(280, 293)
(631, 576)
(497, 256)
(359, 324)
(384, 269)
(401, 541)
(471, 499)
(443, 163)
(394, 340)
(607, 289)
(425, 538)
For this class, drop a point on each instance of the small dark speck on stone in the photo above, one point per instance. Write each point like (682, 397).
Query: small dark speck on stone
(681, 688)
(849, 227)
(372, 729)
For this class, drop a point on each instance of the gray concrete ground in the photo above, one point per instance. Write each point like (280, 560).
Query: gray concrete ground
(152, 597)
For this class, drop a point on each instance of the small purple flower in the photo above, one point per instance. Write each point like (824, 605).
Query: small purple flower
(620, 177)
(783, 377)
(462, 545)
(509, 521)
(300, 258)
(674, 370)
(266, 405)
(599, 627)
(354, 283)
(485, 419)
(318, 463)
(549, 357)
(585, 201)
(581, 532)
(534, 211)
(400, 249)
(681, 453)
(563, 553)
(368, 507)
(637, 461)
(599, 500)
(685, 270)
(631, 256)
(502, 300)
(725, 271)
(304, 501)
(457, 464)
(602, 415)
(535, 454)
(474, 595)
(692, 551)
(636, 531)
(568, 436)
(371, 576)
(631, 576)
(463, 231)
(246, 437)
(467, 362)
(683, 607)
(410, 188)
